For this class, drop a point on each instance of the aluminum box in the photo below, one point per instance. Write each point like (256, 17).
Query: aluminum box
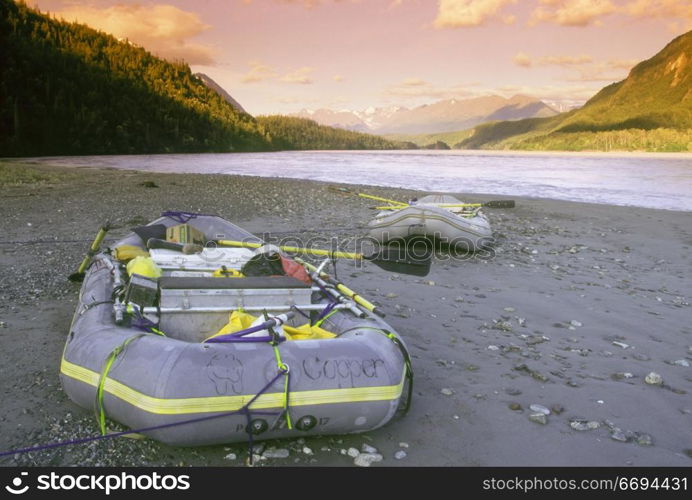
(194, 308)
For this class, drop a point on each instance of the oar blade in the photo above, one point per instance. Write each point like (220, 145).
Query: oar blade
(499, 204)
(341, 190)
(402, 259)
(76, 277)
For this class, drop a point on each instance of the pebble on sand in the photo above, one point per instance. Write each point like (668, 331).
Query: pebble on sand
(645, 440)
(653, 378)
(557, 409)
(367, 459)
(276, 453)
(539, 409)
(584, 425)
(366, 448)
(539, 418)
(618, 435)
(399, 455)
(447, 391)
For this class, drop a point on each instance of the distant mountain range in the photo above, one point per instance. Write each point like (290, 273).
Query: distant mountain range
(650, 110)
(442, 116)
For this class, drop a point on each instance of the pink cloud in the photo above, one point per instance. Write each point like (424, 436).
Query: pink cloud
(308, 4)
(259, 72)
(572, 12)
(300, 75)
(414, 88)
(413, 82)
(523, 59)
(162, 29)
(679, 10)
(467, 13)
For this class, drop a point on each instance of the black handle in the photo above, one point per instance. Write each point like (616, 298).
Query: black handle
(188, 248)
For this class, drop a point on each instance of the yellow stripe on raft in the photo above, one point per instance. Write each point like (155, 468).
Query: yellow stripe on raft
(213, 404)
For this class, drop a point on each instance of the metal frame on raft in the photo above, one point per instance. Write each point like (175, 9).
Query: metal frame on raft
(282, 307)
(346, 298)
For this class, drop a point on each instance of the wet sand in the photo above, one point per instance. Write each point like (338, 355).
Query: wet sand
(578, 305)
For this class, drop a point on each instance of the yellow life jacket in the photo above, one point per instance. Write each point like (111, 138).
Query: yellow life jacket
(240, 320)
(144, 266)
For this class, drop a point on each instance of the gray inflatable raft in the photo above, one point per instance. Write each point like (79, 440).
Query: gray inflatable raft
(114, 361)
(433, 218)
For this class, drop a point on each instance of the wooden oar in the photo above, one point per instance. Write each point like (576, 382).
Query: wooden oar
(390, 258)
(93, 250)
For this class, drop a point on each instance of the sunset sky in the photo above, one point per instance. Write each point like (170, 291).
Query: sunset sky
(280, 56)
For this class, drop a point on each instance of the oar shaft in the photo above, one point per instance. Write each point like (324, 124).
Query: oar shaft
(343, 289)
(82, 267)
(371, 197)
(311, 251)
(451, 205)
(93, 249)
(357, 298)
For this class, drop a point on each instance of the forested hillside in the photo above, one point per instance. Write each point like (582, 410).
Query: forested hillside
(289, 132)
(67, 89)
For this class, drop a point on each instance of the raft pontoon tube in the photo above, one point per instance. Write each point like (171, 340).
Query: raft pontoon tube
(435, 217)
(150, 367)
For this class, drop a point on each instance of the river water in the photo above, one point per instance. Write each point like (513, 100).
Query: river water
(646, 180)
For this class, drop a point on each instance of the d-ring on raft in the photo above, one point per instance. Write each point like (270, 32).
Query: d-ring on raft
(149, 365)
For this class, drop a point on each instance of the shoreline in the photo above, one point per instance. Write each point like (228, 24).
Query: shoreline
(43, 164)
(676, 155)
(577, 296)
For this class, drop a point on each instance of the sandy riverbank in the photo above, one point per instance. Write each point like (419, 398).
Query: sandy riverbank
(580, 303)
